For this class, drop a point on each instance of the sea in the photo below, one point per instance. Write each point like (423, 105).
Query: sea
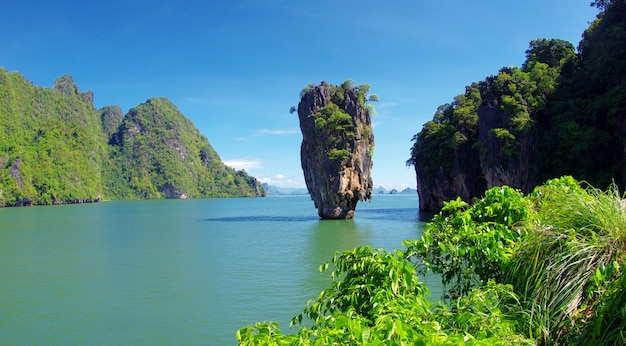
(176, 272)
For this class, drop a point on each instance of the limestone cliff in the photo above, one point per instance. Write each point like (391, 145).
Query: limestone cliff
(504, 160)
(337, 146)
(561, 113)
(488, 155)
(486, 138)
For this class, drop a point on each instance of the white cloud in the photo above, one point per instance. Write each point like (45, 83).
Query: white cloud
(277, 132)
(281, 180)
(246, 164)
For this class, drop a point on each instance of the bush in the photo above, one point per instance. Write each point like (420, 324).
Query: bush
(546, 268)
(470, 244)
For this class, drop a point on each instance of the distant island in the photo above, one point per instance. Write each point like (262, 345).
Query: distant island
(382, 191)
(273, 190)
(57, 148)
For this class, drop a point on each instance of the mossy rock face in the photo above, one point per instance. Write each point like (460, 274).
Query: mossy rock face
(337, 146)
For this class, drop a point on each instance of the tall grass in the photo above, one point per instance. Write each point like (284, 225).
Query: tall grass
(578, 234)
(609, 321)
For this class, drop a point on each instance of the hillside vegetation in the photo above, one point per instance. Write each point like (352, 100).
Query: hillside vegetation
(52, 146)
(157, 152)
(55, 148)
(561, 113)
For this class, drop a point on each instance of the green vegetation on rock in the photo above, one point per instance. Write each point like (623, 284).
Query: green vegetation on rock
(51, 146)
(55, 148)
(561, 113)
(158, 153)
(335, 125)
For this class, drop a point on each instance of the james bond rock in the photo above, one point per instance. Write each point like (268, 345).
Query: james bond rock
(337, 147)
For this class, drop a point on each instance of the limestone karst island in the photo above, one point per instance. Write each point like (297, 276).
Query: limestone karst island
(337, 147)
(57, 148)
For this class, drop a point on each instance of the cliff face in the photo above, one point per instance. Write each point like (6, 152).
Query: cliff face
(561, 113)
(337, 145)
(491, 160)
(504, 161)
(486, 138)
(463, 178)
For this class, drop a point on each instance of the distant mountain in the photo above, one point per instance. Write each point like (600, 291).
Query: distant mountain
(277, 190)
(157, 152)
(55, 148)
(381, 191)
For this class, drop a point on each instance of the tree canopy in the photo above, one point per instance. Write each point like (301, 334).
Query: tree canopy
(565, 110)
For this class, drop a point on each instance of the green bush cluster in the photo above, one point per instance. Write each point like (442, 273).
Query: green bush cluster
(336, 128)
(544, 268)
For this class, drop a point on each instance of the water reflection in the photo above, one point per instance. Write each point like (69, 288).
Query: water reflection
(329, 236)
(395, 214)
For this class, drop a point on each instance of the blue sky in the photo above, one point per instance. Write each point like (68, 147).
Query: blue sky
(235, 67)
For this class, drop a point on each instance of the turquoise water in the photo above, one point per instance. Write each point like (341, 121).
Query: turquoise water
(183, 272)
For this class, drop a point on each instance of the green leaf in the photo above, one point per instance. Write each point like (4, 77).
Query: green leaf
(442, 246)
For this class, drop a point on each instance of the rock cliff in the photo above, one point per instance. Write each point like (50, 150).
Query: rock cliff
(486, 138)
(337, 146)
(561, 113)
(504, 161)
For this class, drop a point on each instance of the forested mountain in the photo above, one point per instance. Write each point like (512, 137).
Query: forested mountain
(55, 147)
(561, 113)
(52, 145)
(157, 152)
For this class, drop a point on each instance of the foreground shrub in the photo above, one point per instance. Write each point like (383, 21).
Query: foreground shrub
(546, 268)
(377, 299)
(471, 244)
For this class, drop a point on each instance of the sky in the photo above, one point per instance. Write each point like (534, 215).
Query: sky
(236, 67)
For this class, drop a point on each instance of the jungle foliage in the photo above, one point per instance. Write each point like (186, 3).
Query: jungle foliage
(158, 153)
(51, 144)
(572, 104)
(544, 268)
(335, 126)
(55, 147)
